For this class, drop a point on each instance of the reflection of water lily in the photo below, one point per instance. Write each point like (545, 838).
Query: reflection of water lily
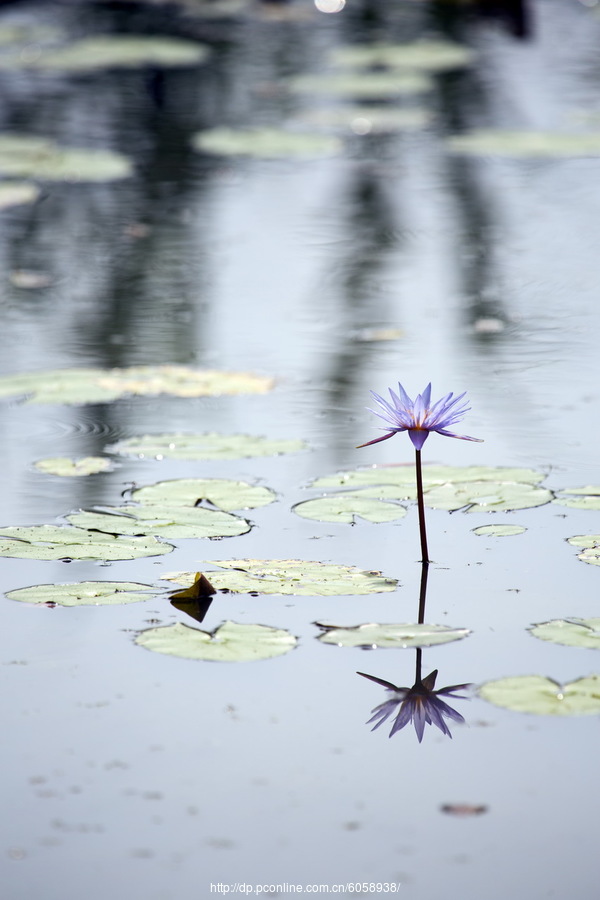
(419, 704)
(420, 416)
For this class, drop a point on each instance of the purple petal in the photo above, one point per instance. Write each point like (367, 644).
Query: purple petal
(376, 440)
(461, 437)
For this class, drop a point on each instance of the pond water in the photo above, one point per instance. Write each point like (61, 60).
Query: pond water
(128, 771)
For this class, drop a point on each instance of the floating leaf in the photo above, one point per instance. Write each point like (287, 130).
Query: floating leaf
(290, 577)
(75, 386)
(15, 193)
(221, 492)
(231, 642)
(571, 632)
(27, 280)
(345, 507)
(200, 590)
(119, 52)
(25, 156)
(526, 144)
(486, 496)
(499, 530)
(543, 696)
(591, 544)
(373, 636)
(86, 593)
(164, 521)
(434, 56)
(66, 542)
(71, 468)
(368, 119)
(267, 143)
(203, 446)
(379, 85)
(404, 475)
(580, 498)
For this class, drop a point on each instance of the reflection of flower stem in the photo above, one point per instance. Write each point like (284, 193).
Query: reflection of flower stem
(421, 504)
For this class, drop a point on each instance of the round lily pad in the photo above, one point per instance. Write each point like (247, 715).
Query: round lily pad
(220, 492)
(15, 193)
(499, 530)
(347, 507)
(85, 593)
(591, 547)
(485, 496)
(433, 56)
(580, 498)
(231, 642)
(266, 143)
(543, 696)
(66, 542)
(373, 636)
(164, 521)
(526, 144)
(362, 85)
(404, 475)
(43, 159)
(120, 52)
(76, 386)
(289, 577)
(203, 446)
(570, 632)
(73, 468)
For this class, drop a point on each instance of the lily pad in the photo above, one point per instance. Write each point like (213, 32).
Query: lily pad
(66, 542)
(570, 632)
(204, 446)
(591, 547)
(404, 475)
(73, 468)
(231, 642)
(266, 143)
(368, 119)
(163, 521)
(580, 498)
(499, 530)
(485, 496)
(77, 386)
(373, 636)
(543, 696)
(16, 193)
(289, 577)
(347, 506)
(526, 144)
(365, 85)
(86, 593)
(220, 492)
(31, 157)
(433, 56)
(120, 52)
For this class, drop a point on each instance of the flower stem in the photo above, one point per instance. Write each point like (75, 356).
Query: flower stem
(421, 505)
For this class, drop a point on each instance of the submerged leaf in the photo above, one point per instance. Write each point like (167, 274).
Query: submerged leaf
(203, 446)
(86, 593)
(543, 696)
(164, 521)
(290, 577)
(499, 530)
(72, 468)
(231, 642)
(373, 636)
(220, 492)
(267, 143)
(66, 542)
(571, 632)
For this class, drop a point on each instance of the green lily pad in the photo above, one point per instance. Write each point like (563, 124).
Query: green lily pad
(580, 498)
(221, 492)
(591, 547)
(162, 521)
(374, 636)
(16, 193)
(231, 642)
(433, 56)
(86, 593)
(204, 446)
(570, 632)
(486, 496)
(66, 542)
(526, 144)
(119, 52)
(543, 696)
(76, 386)
(266, 143)
(404, 475)
(368, 119)
(347, 506)
(365, 85)
(499, 530)
(289, 577)
(31, 157)
(73, 468)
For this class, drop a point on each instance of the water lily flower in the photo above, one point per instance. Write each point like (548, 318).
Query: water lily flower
(420, 417)
(420, 704)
